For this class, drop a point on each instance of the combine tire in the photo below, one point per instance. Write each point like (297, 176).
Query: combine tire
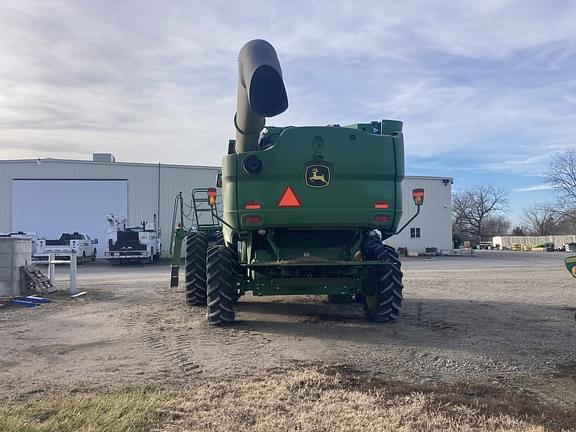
(221, 285)
(385, 300)
(218, 239)
(196, 245)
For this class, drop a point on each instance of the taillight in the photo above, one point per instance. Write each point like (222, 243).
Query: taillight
(212, 197)
(251, 219)
(252, 206)
(381, 205)
(418, 196)
(381, 219)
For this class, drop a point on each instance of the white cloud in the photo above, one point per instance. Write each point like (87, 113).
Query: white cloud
(538, 187)
(489, 81)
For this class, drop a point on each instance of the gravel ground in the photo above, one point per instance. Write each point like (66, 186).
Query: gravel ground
(499, 318)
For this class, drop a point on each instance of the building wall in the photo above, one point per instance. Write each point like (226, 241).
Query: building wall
(151, 187)
(507, 241)
(435, 218)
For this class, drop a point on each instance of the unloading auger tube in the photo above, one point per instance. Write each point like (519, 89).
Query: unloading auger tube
(261, 92)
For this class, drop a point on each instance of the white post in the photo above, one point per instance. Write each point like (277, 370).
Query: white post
(73, 288)
(51, 269)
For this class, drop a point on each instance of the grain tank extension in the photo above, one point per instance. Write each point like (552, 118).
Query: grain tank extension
(305, 209)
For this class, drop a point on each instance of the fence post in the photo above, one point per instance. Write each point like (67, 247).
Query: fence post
(51, 269)
(73, 288)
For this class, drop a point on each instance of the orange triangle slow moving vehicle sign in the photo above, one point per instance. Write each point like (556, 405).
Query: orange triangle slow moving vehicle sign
(289, 199)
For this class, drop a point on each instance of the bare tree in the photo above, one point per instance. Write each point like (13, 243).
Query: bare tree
(472, 208)
(496, 225)
(566, 225)
(540, 220)
(518, 231)
(561, 175)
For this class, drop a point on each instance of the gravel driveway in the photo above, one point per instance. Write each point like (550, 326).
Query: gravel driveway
(499, 318)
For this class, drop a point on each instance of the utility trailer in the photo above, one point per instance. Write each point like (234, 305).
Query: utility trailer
(305, 209)
(80, 243)
(132, 244)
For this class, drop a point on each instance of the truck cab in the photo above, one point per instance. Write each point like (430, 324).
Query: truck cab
(79, 243)
(140, 243)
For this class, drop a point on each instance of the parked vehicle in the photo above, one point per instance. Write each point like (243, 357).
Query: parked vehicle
(137, 243)
(305, 209)
(80, 243)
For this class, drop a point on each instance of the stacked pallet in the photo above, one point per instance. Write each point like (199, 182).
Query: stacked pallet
(33, 280)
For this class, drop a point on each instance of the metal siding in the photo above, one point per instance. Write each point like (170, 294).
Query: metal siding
(179, 179)
(142, 185)
(435, 219)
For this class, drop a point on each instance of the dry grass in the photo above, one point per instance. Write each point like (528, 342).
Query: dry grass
(132, 409)
(294, 400)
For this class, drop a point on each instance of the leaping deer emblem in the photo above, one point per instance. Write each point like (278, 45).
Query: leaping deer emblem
(317, 177)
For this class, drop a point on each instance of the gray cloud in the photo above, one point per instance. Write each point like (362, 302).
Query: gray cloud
(156, 81)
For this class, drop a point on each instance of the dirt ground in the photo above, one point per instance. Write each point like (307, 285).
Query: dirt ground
(502, 319)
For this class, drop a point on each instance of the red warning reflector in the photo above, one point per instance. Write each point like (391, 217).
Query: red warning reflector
(381, 205)
(289, 199)
(252, 206)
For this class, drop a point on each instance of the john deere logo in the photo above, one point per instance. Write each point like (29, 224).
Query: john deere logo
(317, 176)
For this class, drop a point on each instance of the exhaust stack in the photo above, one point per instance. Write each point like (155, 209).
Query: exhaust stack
(261, 92)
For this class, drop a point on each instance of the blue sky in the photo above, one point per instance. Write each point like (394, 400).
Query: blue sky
(486, 89)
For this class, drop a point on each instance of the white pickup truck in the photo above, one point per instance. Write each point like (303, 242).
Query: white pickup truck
(80, 243)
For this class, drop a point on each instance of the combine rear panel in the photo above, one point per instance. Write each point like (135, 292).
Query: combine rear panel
(317, 177)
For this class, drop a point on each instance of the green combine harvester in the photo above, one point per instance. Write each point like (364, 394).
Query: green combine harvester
(305, 210)
(570, 263)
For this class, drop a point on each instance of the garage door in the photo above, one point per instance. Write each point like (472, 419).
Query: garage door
(51, 207)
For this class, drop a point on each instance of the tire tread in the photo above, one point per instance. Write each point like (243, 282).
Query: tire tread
(196, 245)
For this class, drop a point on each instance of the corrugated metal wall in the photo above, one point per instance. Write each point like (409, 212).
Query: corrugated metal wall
(435, 219)
(151, 188)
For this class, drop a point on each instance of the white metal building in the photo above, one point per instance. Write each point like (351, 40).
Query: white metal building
(433, 226)
(51, 196)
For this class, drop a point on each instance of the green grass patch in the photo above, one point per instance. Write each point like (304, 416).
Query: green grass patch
(132, 409)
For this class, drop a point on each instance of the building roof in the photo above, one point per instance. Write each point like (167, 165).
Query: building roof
(82, 161)
(148, 164)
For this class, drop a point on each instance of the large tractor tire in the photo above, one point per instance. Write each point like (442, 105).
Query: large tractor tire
(218, 238)
(196, 245)
(383, 301)
(222, 293)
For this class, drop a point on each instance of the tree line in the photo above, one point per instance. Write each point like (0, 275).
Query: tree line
(479, 213)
